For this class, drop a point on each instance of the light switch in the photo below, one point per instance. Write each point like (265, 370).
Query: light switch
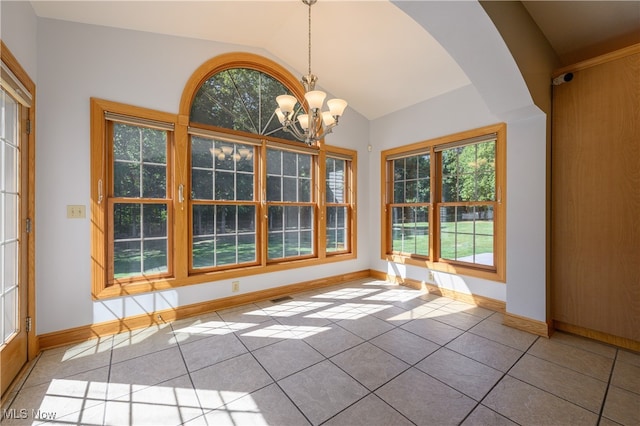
(76, 212)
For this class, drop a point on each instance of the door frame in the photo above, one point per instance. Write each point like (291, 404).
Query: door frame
(27, 217)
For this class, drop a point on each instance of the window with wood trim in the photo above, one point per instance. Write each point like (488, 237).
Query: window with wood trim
(338, 204)
(216, 191)
(223, 203)
(410, 204)
(290, 204)
(444, 203)
(136, 195)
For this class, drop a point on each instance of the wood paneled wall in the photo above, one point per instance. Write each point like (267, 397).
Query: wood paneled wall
(595, 198)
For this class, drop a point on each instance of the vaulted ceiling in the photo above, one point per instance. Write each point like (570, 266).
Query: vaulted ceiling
(367, 51)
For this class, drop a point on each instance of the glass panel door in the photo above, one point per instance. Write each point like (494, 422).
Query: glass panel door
(13, 335)
(9, 216)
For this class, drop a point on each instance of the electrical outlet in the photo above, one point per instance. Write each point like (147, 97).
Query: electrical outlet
(431, 277)
(76, 212)
(235, 286)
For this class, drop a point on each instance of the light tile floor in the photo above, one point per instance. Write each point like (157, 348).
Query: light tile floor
(362, 353)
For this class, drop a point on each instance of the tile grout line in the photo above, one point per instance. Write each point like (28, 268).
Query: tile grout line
(569, 368)
(106, 392)
(606, 392)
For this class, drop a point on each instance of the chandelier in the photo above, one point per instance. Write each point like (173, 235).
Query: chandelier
(311, 127)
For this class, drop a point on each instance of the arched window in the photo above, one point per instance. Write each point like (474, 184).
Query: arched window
(241, 99)
(236, 93)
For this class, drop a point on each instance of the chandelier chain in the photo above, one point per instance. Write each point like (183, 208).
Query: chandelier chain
(310, 38)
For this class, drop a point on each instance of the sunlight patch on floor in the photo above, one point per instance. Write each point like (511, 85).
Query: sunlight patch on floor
(346, 293)
(289, 309)
(286, 331)
(348, 311)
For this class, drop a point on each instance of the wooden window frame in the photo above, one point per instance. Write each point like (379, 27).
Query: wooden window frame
(111, 200)
(433, 261)
(215, 202)
(181, 272)
(349, 196)
(312, 203)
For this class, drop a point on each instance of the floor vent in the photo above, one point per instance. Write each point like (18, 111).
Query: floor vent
(281, 299)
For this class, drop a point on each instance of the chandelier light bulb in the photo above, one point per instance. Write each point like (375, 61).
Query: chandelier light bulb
(327, 118)
(315, 99)
(286, 103)
(303, 119)
(336, 106)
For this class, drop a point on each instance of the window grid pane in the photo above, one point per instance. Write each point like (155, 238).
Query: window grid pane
(288, 176)
(140, 162)
(467, 234)
(141, 242)
(290, 231)
(412, 179)
(469, 173)
(223, 235)
(335, 180)
(410, 230)
(336, 229)
(221, 170)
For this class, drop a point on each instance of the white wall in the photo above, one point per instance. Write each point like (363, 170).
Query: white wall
(18, 30)
(74, 62)
(77, 62)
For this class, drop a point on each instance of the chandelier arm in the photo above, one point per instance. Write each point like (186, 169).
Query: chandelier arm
(329, 129)
(336, 121)
(290, 126)
(318, 132)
